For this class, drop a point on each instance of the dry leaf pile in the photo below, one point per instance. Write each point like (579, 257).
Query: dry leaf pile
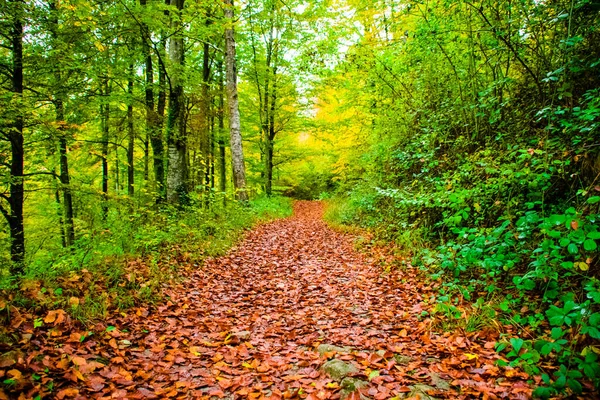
(266, 321)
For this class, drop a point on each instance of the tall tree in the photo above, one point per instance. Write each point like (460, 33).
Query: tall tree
(12, 131)
(130, 135)
(153, 116)
(177, 185)
(59, 96)
(237, 151)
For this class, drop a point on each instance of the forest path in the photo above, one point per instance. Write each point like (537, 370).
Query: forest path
(263, 321)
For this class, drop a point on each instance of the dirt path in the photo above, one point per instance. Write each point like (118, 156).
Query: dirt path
(263, 321)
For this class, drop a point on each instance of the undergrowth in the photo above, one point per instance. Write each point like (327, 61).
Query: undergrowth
(127, 263)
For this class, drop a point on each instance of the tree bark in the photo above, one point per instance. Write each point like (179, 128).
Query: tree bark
(131, 135)
(15, 215)
(177, 190)
(59, 104)
(105, 111)
(154, 118)
(158, 146)
(221, 134)
(270, 142)
(237, 151)
(206, 103)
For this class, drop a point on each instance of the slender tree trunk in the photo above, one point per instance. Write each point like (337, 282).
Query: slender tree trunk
(206, 102)
(237, 151)
(15, 215)
(221, 135)
(131, 136)
(59, 105)
(63, 237)
(212, 152)
(65, 178)
(146, 158)
(270, 142)
(105, 111)
(158, 146)
(177, 147)
(154, 118)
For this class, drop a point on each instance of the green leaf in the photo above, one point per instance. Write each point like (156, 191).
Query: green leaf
(573, 248)
(373, 374)
(595, 320)
(543, 392)
(517, 344)
(546, 349)
(593, 200)
(594, 235)
(110, 328)
(590, 245)
(564, 242)
(593, 332)
(574, 385)
(556, 333)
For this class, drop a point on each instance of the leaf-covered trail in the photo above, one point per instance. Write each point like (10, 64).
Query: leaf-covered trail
(249, 325)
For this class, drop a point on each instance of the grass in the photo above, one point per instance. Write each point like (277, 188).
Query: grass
(125, 263)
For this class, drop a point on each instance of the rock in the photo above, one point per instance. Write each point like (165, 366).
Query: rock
(242, 335)
(350, 385)
(337, 369)
(328, 348)
(438, 382)
(402, 360)
(419, 391)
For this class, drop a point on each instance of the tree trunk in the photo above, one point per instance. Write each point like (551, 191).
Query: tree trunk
(270, 142)
(221, 134)
(60, 216)
(237, 151)
(177, 147)
(105, 111)
(212, 153)
(65, 178)
(146, 158)
(131, 136)
(206, 103)
(154, 118)
(158, 146)
(15, 215)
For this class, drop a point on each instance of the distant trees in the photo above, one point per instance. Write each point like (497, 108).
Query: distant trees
(106, 109)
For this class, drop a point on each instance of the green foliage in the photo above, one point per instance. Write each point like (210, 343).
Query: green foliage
(124, 264)
(486, 170)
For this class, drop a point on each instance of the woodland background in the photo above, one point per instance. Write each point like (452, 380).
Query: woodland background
(465, 133)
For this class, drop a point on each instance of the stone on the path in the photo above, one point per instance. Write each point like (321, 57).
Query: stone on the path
(242, 335)
(350, 385)
(328, 348)
(401, 359)
(438, 382)
(338, 370)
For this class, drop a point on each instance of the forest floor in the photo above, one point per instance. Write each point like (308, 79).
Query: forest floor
(294, 311)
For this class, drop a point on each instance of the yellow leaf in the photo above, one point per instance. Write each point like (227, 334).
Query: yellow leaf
(471, 356)
(194, 350)
(582, 266)
(586, 351)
